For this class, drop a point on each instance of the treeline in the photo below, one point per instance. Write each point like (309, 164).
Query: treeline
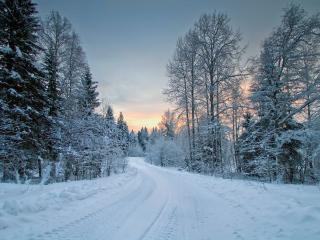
(49, 130)
(260, 121)
(162, 146)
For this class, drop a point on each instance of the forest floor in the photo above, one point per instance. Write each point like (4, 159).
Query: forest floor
(153, 203)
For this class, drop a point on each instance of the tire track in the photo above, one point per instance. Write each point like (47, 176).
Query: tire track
(149, 228)
(108, 218)
(164, 227)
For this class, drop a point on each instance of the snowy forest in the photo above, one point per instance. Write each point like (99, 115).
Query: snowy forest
(49, 129)
(153, 120)
(255, 118)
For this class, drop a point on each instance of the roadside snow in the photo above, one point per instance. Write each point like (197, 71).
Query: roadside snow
(32, 207)
(149, 202)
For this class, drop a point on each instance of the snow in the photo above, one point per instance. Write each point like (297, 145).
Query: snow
(15, 75)
(149, 202)
(5, 49)
(19, 53)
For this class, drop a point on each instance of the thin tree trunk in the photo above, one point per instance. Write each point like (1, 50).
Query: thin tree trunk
(193, 106)
(188, 119)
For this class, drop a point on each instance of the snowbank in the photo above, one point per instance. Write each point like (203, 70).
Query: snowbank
(20, 203)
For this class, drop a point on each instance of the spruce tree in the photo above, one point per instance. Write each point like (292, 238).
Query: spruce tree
(123, 134)
(22, 93)
(89, 98)
(248, 150)
(143, 138)
(276, 93)
(109, 118)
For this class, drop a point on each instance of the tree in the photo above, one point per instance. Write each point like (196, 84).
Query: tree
(154, 135)
(219, 56)
(276, 91)
(54, 35)
(47, 109)
(123, 134)
(184, 77)
(143, 138)
(89, 95)
(168, 125)
(72, 72)
(23, 98)
(178, 89)
(109, 116)
(204, 67)
(112, 135)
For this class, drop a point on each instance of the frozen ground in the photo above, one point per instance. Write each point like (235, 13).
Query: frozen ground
(152, 203)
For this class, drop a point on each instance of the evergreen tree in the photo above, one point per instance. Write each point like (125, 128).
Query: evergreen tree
(88, 98)
(154, 135)
(246, 140)
(22, 93)
(276, 91)
(123, 134)
(143, 138)
(109, 118)
(133, 139)
(111, 132)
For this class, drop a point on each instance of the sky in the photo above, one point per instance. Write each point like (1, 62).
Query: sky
(128, 43)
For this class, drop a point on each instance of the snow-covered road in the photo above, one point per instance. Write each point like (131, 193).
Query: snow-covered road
(152, 203)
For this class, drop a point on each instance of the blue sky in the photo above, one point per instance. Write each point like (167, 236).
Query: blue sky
(129, 42)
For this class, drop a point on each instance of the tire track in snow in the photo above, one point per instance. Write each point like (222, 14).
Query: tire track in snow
(154, 222)
(109, 218)
(169, 228)
(164, 226)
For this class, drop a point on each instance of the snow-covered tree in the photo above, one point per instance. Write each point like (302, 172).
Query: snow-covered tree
(168, 125)
(276, 91)
(89, 96)
(72, 72)
(23, 102)
(143, 138)
(47, 103)
(202, 73)
(123, 134)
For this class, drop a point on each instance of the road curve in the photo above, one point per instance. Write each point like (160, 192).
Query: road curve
(164, 204)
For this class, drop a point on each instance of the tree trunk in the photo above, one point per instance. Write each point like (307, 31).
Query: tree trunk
(188, 120)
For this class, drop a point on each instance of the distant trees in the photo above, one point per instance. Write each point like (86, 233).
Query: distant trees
(143, 138)
(49, 128)
(267, 132)
(161, 147)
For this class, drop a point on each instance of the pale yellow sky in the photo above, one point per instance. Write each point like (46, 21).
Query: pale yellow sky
(146, 114)
(137, 120)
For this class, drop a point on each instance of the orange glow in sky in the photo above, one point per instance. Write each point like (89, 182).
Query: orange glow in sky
(137, 120)
(144, 114)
